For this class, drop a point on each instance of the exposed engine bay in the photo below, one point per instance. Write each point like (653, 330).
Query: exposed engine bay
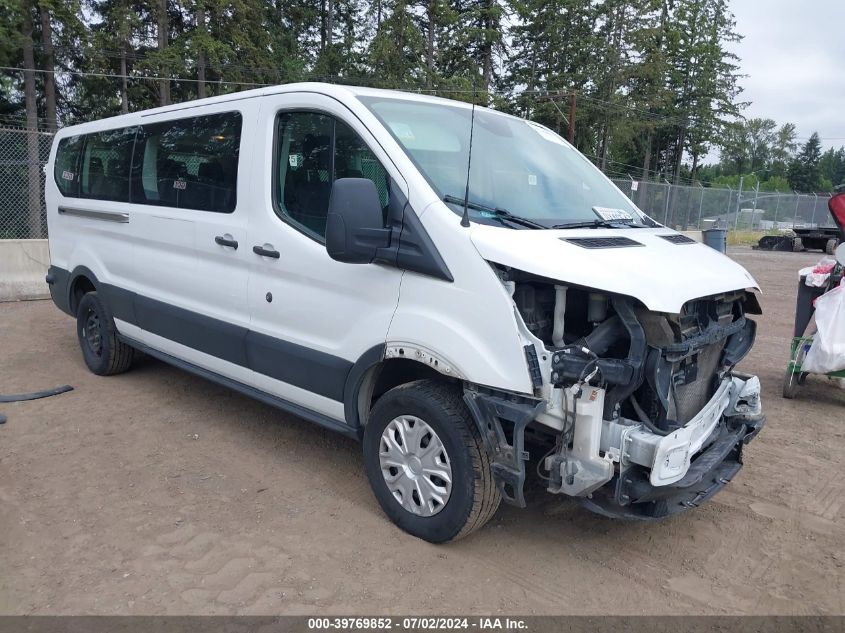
(640, 398)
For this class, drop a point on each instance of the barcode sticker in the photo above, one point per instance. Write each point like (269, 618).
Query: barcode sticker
(613, 215)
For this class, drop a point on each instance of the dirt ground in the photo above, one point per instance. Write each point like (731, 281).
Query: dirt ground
(156, 492)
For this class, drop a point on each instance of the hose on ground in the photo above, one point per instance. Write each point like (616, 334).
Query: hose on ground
(36, 394)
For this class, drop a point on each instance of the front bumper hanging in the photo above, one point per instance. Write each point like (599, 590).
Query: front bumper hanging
(632, 496)
(632, 493)
(635, 491)
(496, 414)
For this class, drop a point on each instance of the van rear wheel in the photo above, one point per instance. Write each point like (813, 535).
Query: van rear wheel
(104, 353)
(427, 464)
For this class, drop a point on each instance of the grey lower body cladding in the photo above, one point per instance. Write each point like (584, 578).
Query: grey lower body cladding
(314, 371)
(332, 377)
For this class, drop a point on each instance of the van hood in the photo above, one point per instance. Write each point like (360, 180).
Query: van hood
(641, 263)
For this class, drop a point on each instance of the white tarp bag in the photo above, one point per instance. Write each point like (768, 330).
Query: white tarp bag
(827, 353)
(817, 276)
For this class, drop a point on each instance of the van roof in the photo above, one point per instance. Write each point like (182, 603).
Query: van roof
(333, 90)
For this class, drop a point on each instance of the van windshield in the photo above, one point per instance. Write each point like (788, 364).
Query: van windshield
(519, 169)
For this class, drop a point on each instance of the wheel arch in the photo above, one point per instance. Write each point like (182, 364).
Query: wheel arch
(374, 374)
(82, 281)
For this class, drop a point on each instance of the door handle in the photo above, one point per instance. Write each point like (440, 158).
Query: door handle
(265, 252)
(223, 241)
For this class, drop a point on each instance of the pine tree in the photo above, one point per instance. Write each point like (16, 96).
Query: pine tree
(783, 149)
(804, 170)
(551, 44)
(704, 77)
(832, 166)
(650, 93)
(397, 51)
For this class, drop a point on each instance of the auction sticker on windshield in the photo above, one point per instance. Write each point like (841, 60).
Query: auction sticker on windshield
(609, 214)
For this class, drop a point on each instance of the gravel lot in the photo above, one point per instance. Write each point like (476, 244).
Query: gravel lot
(156, 492)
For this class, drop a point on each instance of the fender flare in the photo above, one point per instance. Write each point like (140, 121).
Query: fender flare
(75, 274)
(355, 380)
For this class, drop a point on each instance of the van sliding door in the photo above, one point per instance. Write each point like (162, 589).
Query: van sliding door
(191, 196)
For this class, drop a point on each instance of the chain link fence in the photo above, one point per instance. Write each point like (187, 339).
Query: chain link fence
(688, 208)
(23, 154)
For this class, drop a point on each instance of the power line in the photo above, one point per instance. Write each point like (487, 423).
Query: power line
(610, 105)
(372, 82)
(145, 77)
(619, 107)
(310, 77)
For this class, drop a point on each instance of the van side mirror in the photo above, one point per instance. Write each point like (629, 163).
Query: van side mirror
(354, 225)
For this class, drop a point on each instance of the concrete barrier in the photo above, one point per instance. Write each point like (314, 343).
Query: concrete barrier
(23, 265)
(696, 235)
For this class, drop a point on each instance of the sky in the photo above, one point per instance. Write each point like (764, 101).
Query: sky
(794, 55)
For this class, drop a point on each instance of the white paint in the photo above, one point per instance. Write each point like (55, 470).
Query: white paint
(468, 328)
(317, 302)
(662, 275)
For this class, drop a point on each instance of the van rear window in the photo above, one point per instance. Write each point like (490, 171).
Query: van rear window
(106, 160)
(66, 168)
(188, 163)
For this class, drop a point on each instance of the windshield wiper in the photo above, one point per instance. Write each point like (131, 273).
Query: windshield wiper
(495, 213)
(598, 224)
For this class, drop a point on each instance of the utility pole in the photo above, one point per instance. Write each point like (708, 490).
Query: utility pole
(730, 199)
(700, 205)
(570, 121)
(738, 202)
(754, 212)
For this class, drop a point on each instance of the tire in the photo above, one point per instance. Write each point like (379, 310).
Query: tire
(830, 246)
(790, 384)
(104, 353)
(797, 245)
(473, 497)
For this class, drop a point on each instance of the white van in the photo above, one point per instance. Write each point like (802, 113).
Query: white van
(449, 284)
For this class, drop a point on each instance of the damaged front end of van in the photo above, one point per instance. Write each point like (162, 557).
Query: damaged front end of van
(640, 408)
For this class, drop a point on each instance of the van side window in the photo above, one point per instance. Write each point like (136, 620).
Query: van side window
(66, 169)
(189, 163)
(106, 160)
(312, 151)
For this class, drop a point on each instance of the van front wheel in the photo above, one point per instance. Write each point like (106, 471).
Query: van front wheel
(104, 353)
(427, 464)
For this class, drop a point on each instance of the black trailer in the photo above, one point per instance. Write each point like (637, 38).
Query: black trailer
(818, 239)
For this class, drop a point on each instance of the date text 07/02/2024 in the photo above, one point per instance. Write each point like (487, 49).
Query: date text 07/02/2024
(417, 623)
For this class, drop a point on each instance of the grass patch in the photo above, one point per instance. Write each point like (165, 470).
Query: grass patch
(745, 237)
